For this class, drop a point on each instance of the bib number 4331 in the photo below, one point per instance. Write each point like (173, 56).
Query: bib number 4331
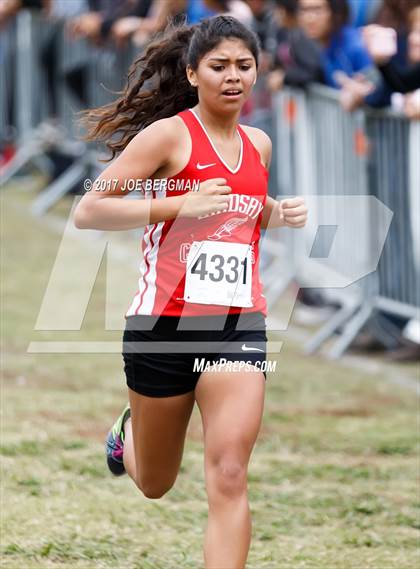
(219, 273)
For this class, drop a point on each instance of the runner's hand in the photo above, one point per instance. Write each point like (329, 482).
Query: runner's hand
(212, 197)
(293, 212)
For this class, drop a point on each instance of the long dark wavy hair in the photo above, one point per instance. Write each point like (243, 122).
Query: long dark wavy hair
(157, 85)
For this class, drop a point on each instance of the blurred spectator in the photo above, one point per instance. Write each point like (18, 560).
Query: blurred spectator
(161, 11)
(393, 14)
(63, 9)
(96, 24)
(297, 58)
(383, 49)
(410, 79)
(154, 20)
(263, 24)
(414, 33)
(235, 8)
(197, 11)
(398, 59)
(364, 12)
(9, 8)
(326, 21)
(122, 29)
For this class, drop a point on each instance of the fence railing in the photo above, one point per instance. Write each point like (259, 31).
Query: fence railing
(336, 159)
(46, 80)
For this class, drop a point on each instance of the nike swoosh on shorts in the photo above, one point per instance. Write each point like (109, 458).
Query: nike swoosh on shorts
(249, 349)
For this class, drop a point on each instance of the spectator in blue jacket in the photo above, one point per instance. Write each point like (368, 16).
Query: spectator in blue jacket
(364, 12)
(197, 10)
(327, 22)
(396, 51)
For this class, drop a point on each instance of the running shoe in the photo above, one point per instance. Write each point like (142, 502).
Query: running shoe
(114, 446)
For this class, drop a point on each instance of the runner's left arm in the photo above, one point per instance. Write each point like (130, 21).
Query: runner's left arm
(271, 215)
(290, 212)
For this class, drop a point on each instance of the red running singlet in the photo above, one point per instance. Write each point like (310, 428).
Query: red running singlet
(217, 254)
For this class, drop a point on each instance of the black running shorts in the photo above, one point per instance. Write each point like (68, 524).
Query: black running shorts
(166, 355)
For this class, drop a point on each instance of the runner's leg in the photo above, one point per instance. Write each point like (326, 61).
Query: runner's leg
(231, 405)
(154, 440)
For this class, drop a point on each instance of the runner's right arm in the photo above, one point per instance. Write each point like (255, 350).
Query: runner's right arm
(148, 152)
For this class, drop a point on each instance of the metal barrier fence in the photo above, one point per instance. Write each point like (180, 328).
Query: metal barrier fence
(52, 79)
(323, 151)
(319, 151)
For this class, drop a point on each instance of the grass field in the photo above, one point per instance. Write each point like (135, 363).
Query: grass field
(333, 480)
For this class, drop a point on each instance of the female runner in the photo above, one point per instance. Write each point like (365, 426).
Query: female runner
(199, 289)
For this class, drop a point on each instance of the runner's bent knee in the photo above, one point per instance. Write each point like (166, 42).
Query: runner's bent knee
(152, 489)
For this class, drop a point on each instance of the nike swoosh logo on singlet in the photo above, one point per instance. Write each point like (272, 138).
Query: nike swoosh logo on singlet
(245, 348)
(203, 166)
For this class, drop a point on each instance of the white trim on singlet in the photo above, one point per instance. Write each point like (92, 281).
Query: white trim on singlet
(148, 300)
(241, 152)
(141, 284)
(147, 282)
(143, 301)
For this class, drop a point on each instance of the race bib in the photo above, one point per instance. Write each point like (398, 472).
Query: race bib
(219, 273)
